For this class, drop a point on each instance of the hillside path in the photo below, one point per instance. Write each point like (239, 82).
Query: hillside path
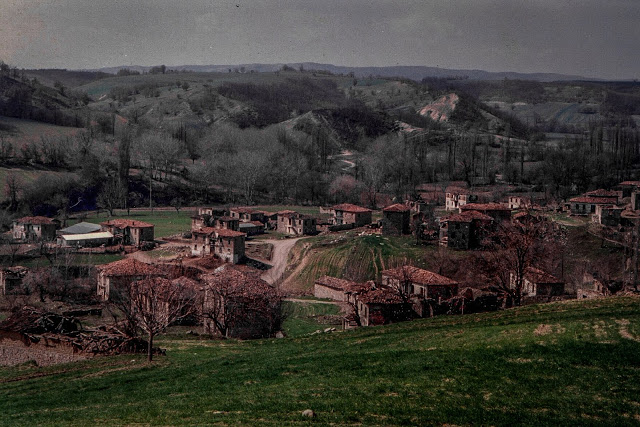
(279, 258)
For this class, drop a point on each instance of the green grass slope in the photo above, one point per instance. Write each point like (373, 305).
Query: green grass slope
(575, 363)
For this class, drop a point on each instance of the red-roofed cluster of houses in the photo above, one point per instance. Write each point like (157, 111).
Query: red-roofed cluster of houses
(406, 292)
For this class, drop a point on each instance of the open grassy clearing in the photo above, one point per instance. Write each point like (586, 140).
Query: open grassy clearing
(307, 317)
(76, 259)
(167, 222)
(573, 363)
(352, 254)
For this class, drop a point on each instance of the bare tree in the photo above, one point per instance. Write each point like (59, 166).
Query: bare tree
(516, 247)
(155, 303)
(112, 196)
(238, 304)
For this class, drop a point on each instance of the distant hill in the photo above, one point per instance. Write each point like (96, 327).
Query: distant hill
(412, 72)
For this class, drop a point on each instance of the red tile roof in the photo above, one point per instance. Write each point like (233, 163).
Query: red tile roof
(381, 295)
(398, 207)
(484, 207)
(630, 183)
(536, 275)
(123, 223)
(228, 233)
(237, 283)
(224, 232)
(205, 230)
(242, 209)
(130, 267)
(601, 192)
(35, 220)
(348, 207)
(467, 216)
(594, 200)
(418, 275)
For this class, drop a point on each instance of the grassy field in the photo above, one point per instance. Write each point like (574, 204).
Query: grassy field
(307, 317)
(350, 253)
(574, 363)
(167, 222)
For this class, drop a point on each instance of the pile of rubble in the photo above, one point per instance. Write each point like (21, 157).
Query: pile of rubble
(56, 332)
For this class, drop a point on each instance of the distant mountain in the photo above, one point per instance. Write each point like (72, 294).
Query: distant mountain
(413, 72)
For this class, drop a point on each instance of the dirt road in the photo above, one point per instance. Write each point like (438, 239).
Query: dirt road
(279, 258)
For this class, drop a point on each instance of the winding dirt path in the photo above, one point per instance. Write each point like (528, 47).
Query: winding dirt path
(279, 258)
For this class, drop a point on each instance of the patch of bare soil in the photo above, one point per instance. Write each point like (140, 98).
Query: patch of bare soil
(624, 332)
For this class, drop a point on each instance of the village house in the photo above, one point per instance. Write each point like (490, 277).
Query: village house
(245, 305)
(608, 215)
(601, 193)
(89, 240)
(211, 211)
(34, 229)
(465, 230)
(227, 223)
(119, 274)
(496, 211)
(128, 231)
(586, 205)
(518, 202)
(200, 221)
(294, 223)
(244, 214)
(381, 306)
(396, 220)
(337, 289)
(457, 197)
(628, 187)
(591, 287)
(251, 228)
(635, 200)
(347, 213)
(226, 244)
(536, 282)
(416, 281)
(11, 279)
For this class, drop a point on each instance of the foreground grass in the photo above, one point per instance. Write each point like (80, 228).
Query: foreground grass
(573, 363)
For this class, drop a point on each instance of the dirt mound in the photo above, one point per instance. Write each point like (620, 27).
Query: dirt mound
(441, 109)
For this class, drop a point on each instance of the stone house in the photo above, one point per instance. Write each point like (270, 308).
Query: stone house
(34, 229)
(226, 244)
(120, 274)
(416, 281)
(227, 223)
(294, 223)
(601, 193)
(465, 230)
(128, 231)
(539, 283)
(396, 220)
(227, 291)
(200, 221)
(586, 205)
(244, 214)
(457, 197)
(11, 279)
(628, 187)
(381, 306)
(518, 202)
(337, 289)
(496, 211)
(608, 215)
(251, 228)
(346, 213)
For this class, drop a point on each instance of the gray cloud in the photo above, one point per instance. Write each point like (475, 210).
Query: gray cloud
(588, 37)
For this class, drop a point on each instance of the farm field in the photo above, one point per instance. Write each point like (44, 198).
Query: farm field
(167, 221)
(574, 363)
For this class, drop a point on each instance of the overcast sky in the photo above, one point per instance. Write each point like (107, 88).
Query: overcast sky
(593, 38)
